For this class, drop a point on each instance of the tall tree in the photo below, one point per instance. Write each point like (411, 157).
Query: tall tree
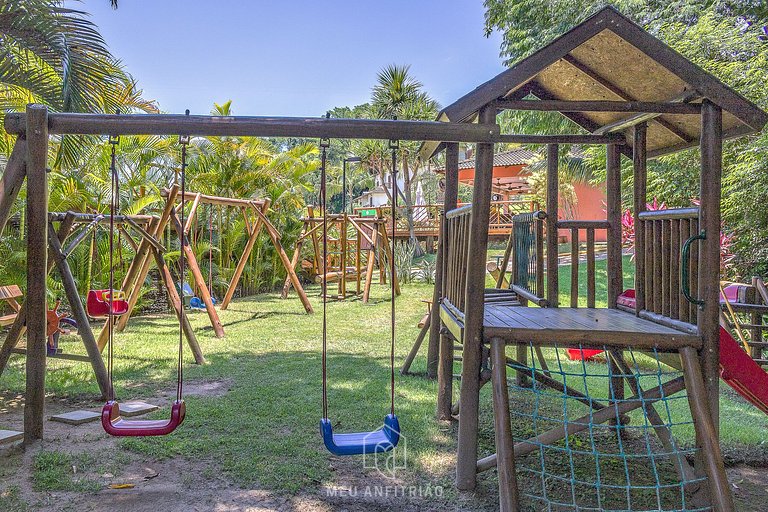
(397, 94)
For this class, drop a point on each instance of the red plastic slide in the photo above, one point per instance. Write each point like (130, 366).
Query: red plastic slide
(742, 373)
(737, 369)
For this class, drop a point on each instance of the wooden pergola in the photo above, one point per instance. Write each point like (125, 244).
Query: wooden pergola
(615, 80)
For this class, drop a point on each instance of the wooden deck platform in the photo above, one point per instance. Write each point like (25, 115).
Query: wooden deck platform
(572, 326)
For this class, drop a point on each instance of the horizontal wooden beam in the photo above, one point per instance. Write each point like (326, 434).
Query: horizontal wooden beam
(583, 224)
(674, 213)
(215, 200)
(600, 106)
(175, 124)
(612, 138)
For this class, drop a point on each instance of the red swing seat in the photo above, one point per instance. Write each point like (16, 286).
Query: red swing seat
(97, 303)
(115, 425)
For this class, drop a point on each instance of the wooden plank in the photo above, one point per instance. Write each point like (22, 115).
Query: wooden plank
(674, 268)
(552, 213)
(13, 179)
(666, 232)
(583, 224)
(37, 270)
(574, 268)
(639, 192)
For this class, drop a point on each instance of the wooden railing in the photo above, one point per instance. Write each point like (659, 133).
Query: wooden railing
(590, 226)
(455, 279)
(426, 218)
(527, 253)
(664, 274)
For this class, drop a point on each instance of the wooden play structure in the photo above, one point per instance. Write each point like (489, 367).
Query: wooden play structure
(254, 213)
(636, 97)
(358, 246)
(614, 80)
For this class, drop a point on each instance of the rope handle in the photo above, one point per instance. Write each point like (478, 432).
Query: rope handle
(685, 270)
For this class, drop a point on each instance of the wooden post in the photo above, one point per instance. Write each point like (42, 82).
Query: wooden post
(443, 341)
(574, 268)
(466, 463)
(709, 252)
(343, 256)
(275, 237)
(358, 261)
(37, 270)
(370, 263)
(640, 168)
(505, 445)
(707, 438)
(13, 179)
(218, 329)
(613, 200)
(83, 325)
(177, 304)
(254, 234)
(552, 212)
(294, 262)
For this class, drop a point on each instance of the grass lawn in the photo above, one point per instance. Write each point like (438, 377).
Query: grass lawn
(263, 429)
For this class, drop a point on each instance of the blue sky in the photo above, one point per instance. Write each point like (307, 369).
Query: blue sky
(293, 57)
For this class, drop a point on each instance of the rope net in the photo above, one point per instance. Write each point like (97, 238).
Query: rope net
(626, 452)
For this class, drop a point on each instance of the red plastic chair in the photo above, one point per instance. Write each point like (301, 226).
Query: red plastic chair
(115, 425)
(97, 303)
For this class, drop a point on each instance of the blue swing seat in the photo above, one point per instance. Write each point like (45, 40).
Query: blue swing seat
(359, 443)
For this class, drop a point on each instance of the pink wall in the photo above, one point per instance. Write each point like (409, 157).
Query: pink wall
(590, 206)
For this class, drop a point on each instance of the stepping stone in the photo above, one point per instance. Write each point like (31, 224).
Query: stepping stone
(10, 436)
(76, 417)
(136, 408)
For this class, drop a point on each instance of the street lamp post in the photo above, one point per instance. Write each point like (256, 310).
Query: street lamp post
(344, 181)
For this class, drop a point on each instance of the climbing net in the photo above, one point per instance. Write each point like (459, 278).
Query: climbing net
(603, 430)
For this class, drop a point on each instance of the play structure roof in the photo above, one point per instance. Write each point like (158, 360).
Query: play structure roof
(610, 58)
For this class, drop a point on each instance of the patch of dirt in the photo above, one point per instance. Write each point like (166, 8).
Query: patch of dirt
(750, 488)
(209, 388)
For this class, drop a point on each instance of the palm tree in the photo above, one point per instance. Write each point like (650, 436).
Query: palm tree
(399, 95)
(54, 55)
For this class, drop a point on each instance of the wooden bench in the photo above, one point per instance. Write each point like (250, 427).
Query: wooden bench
(9, 294)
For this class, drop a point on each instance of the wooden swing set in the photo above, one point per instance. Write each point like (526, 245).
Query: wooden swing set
(357, 244)
(675, 105)
(254, 213)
